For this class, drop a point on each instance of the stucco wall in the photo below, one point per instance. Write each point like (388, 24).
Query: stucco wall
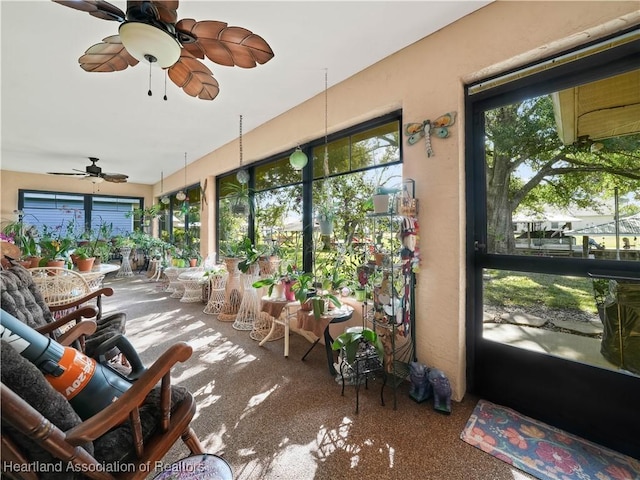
(425, 80)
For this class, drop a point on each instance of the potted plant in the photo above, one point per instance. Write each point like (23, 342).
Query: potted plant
(239, 193)
(357, 340)
(279, 279)
(325, 213)
(25, 237)
(56, 244)
(97, 243)
(310, 297)
(84, 259)
(250, 255)
(381, 201)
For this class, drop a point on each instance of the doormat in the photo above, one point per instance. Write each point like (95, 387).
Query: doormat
(541, 450)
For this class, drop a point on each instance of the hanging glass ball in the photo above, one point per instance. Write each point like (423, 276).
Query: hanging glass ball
(181, 196)
(242, 176)
(298, 159)
(165, 200)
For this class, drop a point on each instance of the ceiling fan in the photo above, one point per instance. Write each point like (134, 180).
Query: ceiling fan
(94, 174)
(150, 31)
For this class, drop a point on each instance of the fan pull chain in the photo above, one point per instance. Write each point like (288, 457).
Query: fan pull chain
(165, 85)
(149, 93)
(240, 141)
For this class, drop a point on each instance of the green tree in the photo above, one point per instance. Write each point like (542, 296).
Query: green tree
(523, 136)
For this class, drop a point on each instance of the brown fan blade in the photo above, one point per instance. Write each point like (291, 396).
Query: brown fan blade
(95, 8)
(194, 77)
(167, 10)
(110, 56)
(67, 174)
(115, 177)
(230, 46)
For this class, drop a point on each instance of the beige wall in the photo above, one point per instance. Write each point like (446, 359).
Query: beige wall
(425, 80)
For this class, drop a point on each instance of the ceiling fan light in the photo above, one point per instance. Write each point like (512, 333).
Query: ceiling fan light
(298, 159)
(93, 179)
(144, 41)
(181, 196)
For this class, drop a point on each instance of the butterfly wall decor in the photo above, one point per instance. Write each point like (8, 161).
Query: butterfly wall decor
(438, 127)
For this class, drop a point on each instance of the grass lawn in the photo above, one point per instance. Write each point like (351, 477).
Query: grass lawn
(507, 288)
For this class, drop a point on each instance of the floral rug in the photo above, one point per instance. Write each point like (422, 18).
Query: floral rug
(542, 450)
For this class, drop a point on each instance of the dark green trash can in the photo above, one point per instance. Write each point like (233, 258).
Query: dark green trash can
(621, 335)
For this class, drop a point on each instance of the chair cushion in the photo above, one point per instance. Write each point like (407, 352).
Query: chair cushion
(20, 297)
(24, 378)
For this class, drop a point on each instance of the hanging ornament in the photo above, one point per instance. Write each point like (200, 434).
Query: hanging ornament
(298, 159)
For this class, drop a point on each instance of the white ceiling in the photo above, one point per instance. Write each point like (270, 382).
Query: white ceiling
(54, 114)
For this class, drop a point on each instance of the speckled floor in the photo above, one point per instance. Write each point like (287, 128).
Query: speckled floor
(273, 417)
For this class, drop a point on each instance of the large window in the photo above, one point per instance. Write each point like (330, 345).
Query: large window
(77, 212)
(281, 208)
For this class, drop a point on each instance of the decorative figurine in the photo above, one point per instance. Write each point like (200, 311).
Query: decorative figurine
(441, 390)
(420, 389)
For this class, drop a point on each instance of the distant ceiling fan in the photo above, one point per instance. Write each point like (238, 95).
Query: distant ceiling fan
(94, 174)
(150, 32)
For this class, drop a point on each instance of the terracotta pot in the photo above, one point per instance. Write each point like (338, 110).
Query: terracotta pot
(35, 262)
(85, 264)
(193, 262)
(55, 263)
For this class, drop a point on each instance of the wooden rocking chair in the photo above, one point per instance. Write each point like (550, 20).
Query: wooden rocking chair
(40, 430)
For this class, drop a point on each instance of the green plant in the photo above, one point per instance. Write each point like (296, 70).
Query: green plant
(325, 211)
(249, 253)
(351, 342)
(145, 214)
(96, 241)
(83, 252)
(240, 194)
(57, 242)
(25, 236)
(305, 289)
(333, 280)
(124, 242)
(279, 276)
